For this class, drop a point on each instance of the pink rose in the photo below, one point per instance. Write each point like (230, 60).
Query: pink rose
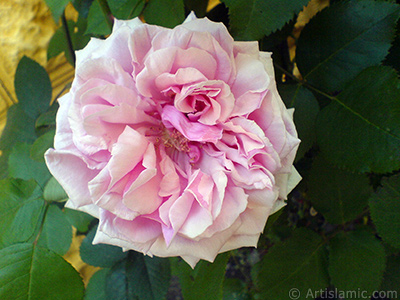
(175, 139)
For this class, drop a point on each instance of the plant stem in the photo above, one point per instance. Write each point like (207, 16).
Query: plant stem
(68, 35)
(42, 223)
(8, 94)
(106, 11)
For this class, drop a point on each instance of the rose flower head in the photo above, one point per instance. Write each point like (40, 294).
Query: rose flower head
(175, 139)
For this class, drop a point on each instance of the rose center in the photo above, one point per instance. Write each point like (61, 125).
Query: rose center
(174, 139)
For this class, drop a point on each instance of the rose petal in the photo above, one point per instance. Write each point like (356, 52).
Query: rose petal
(196, 132)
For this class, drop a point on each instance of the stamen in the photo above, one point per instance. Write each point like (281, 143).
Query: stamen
(173, 138)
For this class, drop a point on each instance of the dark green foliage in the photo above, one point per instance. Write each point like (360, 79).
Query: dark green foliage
(134, 277)
(344, 39)
(55, 224)
(332, 192)
(356, 261)
(33, 87)
(59, 42)
(167, 13)
(391, 278)
(385, 207)
(29, 272)
(78, 219)
(360, 129)
(97, 21)
(198, 6)
(126, 9)
(21, 211)
(96, 289)
(251, 20)
(19, 127)
(299, 262)
(100, 255)
(204, 280)
(21, 165)
(57, 7)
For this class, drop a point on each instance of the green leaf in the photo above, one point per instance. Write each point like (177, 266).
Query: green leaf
(59, 42)
(118, 286)
(391, 277)
(20, 211)
(338, 194)
(33, 87)
(198, 6)
(206, 279)
(305, 113)
(48, 119)
(78, 219)
(97, 22)
(82, 7)
(25, 223)
(96, 289)
(54, 192)
(41, 145)
(167, 13)
(126, 9)
(56, 233)
(273, 43)
(385, 208)
(393, 59)
(148, 277)
(344, 39)
(57, 7)
(20, 165)
(19, 128)
(100, 255)
(360, 130)
(252, 19)
(234, 289)
(31, 272)
(299, 262)
(356, 261)
(272, 219)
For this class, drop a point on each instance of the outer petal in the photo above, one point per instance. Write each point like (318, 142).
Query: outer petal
(73, 174)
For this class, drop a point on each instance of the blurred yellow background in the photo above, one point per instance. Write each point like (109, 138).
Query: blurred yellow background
(26, 27)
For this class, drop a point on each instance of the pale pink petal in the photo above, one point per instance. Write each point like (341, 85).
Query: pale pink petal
(235, 202)
(183, 76)
(197, 221)
(107, 69)
(250, 85)
(248, 48)
(170, 182)
(61, 165)
(170, 60)
(238, 241)
(131, 24)
(207, 248)
(63, 138)
(198, 132)
(138, 234)
(185, 38)
(217, 30)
